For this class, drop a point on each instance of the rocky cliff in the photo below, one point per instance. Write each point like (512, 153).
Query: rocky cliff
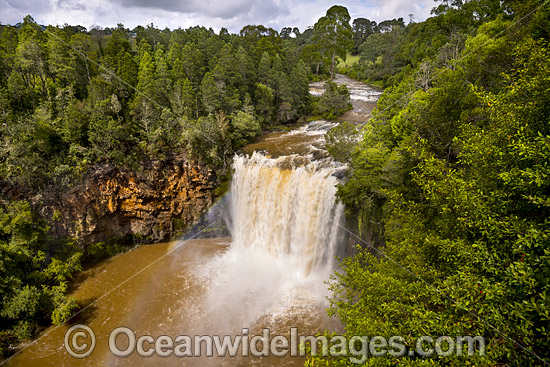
(164, 197)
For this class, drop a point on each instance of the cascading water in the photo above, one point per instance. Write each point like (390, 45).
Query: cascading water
(285, 227)
(285, 210)
(284, 222)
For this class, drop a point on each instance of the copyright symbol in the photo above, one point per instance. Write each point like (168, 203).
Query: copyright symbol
(79, 341)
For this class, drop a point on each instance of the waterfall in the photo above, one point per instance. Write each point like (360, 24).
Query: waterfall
(284, 223)
(287, 210)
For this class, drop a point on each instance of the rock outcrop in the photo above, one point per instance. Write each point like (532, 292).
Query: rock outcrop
(152, 205)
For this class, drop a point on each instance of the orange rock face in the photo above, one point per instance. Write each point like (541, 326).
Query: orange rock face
(110, 202)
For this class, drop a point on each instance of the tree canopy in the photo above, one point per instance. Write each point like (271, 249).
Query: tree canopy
(447, 188)
(333, 34)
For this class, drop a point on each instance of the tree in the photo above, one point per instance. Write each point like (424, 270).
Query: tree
(20, 95)
(334, 35)
(8, 47)
(163, 82)
(341, 141)
(203, 141)
(117, 46)
(389, 25)
(312, 56)
(34, 269)
(145, 106)
(244, 128)
(32, 55)
(299, 87)
(80, 46)
(211, 94)
(265, 101)
(264, 71)
(128, 71)
(183, 99)
(193, 63)
(362, 29)
(334, 101)
(227, 68)
(146, 75)
(285, 33)
(60, 63)
(246, 69)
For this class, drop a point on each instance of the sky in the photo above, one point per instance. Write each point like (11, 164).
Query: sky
(231, 14)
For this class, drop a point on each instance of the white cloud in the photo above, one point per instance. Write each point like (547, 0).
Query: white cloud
(232, 14)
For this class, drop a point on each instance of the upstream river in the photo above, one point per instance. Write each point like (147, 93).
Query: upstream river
(271, 273)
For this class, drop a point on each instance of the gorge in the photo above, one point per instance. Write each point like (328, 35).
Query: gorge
(178, 182)
(285, 233)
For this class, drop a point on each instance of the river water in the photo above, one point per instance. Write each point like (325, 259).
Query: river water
(271, 273)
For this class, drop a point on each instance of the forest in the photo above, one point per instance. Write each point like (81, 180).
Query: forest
(449, 184)
(446, 191)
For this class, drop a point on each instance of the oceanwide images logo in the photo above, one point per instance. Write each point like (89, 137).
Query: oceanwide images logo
(80, 342)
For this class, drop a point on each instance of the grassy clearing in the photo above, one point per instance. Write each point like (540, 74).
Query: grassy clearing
(350, 61)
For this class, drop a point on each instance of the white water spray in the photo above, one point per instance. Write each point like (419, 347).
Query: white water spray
(285, 234)
(287, 211)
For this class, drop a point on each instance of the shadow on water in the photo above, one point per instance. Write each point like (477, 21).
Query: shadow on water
(88, 312)
(89, 270)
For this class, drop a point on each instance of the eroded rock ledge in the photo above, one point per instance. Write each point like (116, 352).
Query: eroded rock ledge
(152, 205)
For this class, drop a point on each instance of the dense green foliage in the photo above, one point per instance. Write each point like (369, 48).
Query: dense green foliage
(391, 50)
(449, 185)
(34, 270)
(334, 101)
(70, 99)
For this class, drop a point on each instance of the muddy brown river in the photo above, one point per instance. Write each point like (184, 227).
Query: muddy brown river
(285, 233)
